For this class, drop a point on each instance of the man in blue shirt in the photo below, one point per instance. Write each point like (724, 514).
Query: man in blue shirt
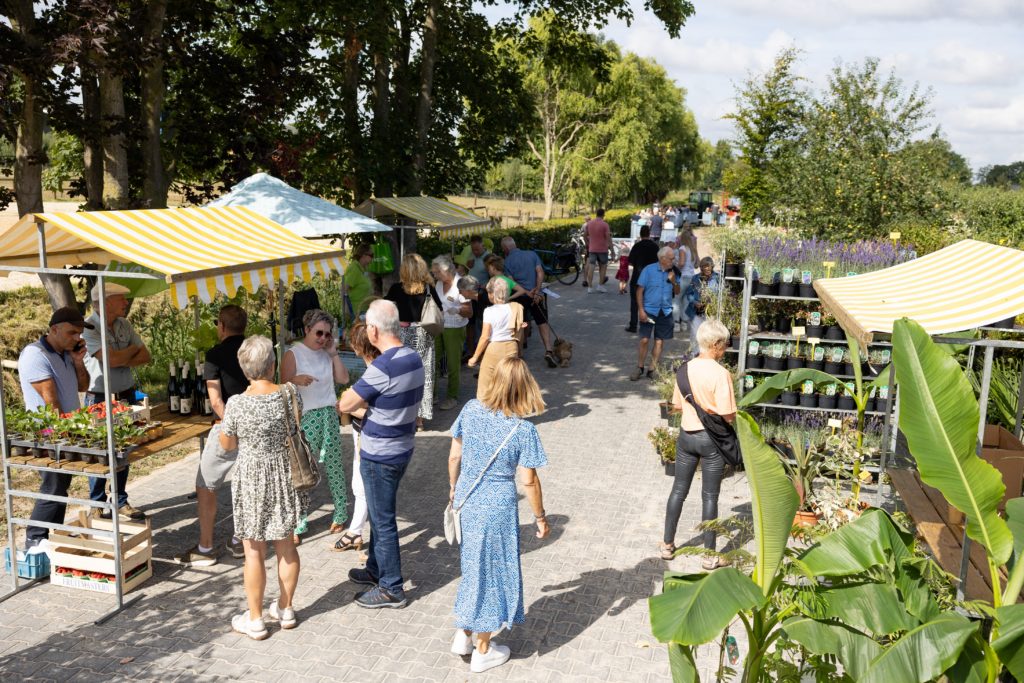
(524, 267)
(52, 372)
(656, 288)
(391, 390)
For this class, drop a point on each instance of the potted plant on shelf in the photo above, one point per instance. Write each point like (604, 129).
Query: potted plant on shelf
(754, 357)
(775, 360)
(832, 328)
(815, 327)
(808, 399)
(795, 360)
(834, 360)
(815, 356)
(665, 383)
(846, 401)
(848, 360)
(664, 441)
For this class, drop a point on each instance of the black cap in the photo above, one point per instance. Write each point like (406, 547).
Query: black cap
(69, 314)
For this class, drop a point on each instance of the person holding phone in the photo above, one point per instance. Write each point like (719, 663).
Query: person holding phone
(312, 364)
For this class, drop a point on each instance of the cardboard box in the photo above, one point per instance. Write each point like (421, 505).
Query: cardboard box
(1006, 454)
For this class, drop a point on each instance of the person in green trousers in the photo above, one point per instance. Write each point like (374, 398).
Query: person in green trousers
(457, 310)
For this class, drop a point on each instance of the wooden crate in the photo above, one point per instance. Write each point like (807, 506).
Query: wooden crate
(88, 553)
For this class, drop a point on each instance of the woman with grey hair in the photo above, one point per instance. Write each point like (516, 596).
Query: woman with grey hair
(703, 285)
(264, 502)
(313, 366)
(456, 310)
(710, 387)
(500, 335)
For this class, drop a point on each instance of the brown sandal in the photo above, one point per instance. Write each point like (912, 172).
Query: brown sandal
(668, 552)
(349, 541)
(336, 528)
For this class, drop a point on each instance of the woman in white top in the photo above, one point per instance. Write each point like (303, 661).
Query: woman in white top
(686, 260)
(313, 366)
(499, 337)
(456, 310)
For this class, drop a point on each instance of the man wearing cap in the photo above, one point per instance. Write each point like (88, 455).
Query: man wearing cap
(126, 351)
(52, 373)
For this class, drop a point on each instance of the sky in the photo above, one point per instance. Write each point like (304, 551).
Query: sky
(970, 53)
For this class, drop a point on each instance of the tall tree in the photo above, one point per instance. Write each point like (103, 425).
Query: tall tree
(154, 189)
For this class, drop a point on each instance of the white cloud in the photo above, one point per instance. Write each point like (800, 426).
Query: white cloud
(841, 12)
(954, 61)
(995, 121)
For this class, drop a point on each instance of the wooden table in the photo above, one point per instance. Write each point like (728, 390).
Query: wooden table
(177, 429)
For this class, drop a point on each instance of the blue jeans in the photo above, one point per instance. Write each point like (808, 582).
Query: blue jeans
(98, 488)
(384, 561)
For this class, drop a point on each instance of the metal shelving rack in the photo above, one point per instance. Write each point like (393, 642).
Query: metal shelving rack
(10, 494)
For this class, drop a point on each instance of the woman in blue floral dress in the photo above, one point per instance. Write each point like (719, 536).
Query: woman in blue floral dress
(490, 595)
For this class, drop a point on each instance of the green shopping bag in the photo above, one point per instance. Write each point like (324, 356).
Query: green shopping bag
(382, 262)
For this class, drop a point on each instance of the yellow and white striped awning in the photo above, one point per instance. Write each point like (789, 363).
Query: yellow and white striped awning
(967, 285)
(199, 251)
(437, 214)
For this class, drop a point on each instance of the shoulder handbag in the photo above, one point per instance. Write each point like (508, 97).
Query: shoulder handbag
(431, 319)
(716, 426)
(452, 521)
(305, 472)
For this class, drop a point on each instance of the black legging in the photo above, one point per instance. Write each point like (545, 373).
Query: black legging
(691, 448)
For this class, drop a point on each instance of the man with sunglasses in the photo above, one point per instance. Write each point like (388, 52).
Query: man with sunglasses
(224, 378)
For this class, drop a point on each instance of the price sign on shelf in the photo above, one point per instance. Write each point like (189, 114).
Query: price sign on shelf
(798, 331)
(894, 235)
(829, 265)
(813, 341)
(834, 423)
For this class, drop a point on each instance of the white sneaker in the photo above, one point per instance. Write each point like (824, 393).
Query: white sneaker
(462, 644)
(254, 628)
(601, 289)
(285, 616)
(496, 656)
(590, 290)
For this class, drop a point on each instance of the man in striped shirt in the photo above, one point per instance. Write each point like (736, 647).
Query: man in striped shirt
(391, 390)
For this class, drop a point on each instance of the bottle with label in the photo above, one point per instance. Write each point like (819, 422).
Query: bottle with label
(203, 395)
(186, 391)
(172, 390)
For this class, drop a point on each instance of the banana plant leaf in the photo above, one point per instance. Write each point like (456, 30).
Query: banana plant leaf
(782, 381)
(939, 416)
(1010, 643)
(923, 653)
(1015, 520)
(854, 649)
(871, 540)
(681, 664)
(874, 608)
(971, 667)
(694, 608)
(773, 500)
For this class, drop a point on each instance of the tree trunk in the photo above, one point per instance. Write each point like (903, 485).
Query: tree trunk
(350, 110)
(382, 182)
(92, 140)
(28, 149)
(428, 55)
(154, 187)
(115, 155)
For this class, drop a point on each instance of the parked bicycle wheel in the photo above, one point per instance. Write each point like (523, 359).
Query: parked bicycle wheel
(568, 275)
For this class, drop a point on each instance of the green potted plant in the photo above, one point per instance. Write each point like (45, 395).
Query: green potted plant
(664, 441)
(665, 384)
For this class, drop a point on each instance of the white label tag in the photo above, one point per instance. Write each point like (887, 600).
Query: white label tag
(798, 331)
(894, 235)
(833, 422)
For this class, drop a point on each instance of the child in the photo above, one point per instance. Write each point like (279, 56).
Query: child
(623, 273)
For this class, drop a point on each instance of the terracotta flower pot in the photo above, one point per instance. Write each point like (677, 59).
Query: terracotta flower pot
(806, 518)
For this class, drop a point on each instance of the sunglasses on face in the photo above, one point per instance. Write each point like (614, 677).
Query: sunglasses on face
(321, 333)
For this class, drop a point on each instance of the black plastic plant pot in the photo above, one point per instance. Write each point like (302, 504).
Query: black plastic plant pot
(847, 403)
(869, 405)
(735, 286)
(828, 402)
(734, 341)
(807, 291)
(755, 361)
(848, 369)
(765, 323)
(808, 400)
(734, 270)
(816, 331)
(800, 322)
(773, 363)
(787, 289)
(1006, 324)
(834, 368)
(815, 365)
(663, 408)
(764, 288)
(783, 324)
(670, 467)
(834, 332)
(790, 398)
(794, 363)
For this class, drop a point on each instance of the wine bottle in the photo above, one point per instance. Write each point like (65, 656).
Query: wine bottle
(204, 398)
(186, 391)
(172, 390)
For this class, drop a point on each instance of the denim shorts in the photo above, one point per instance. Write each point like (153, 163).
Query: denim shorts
(661, 325)
(597, 257)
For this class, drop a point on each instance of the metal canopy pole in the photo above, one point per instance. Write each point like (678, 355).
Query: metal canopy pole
(1019, 424)
(883, 456)
(741, 362)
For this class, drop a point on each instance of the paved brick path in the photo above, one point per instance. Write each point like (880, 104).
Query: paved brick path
(586, 586)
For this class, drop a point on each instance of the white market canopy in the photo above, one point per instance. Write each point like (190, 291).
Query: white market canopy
(200, 252)
(430, 212)
(966, 285)
(303, 214)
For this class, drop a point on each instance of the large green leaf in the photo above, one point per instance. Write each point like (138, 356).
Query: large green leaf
(680, 661)
(971, 667)
(694, 608)
(1015, 520)
(853, 648)
(777, 383)
(871, 540)
(872, 607)
(773, 500)
(1010, 643)
(923, 653)
(939, 416)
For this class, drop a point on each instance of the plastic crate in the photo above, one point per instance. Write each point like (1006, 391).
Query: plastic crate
(34, 566)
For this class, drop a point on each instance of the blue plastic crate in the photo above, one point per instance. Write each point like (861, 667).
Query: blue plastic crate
(34, 566)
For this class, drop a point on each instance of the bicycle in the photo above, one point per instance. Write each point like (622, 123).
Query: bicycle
(562, 264)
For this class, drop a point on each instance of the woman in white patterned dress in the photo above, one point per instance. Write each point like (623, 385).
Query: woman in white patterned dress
(265, 504)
